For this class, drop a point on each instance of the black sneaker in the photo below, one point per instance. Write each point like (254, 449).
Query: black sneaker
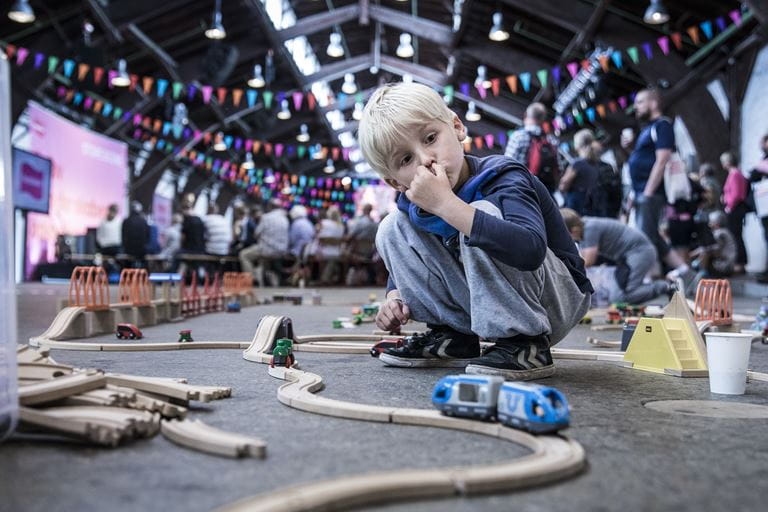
(439, 347)
(518, 358)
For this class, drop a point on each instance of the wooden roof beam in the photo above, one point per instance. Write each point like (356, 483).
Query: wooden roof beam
(554, 14)
(423, 28)
(112, 32)
(339, 69)
(170, 65)
(318, 22)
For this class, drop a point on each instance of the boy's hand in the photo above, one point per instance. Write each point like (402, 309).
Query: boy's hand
(392, 315)
(430, 188)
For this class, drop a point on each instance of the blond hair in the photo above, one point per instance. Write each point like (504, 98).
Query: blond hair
(584, 142)
(391, 110)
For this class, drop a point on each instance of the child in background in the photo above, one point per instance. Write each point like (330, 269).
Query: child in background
(735, 204)
(477, 247)
(717, 260)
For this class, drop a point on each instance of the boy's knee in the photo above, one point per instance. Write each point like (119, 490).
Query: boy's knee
(390, 227)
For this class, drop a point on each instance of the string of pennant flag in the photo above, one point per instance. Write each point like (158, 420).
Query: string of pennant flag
(706, 30)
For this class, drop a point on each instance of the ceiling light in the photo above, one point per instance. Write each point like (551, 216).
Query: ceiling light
(405, 49)
(21, 12)
(121, 79)
(257, 80)
(329, 167)
(472, 113)
(349, 86)
(656, 13)
(497, 32)
(334, 47)
(303, 135)
(219, 144)
(216, 30)
(482, 78)
(357, 114)
(285, 112)
(317, 152)
(248, 164)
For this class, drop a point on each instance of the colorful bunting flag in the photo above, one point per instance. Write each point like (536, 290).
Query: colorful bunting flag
(162, 86)
(237, 95)
(633, 54)
(693, 32)
(69, 67)
(706, 27)
(664, 44)
(542, 76)
(525, 80)
(21, 56)
(512, 83)
(616, 58)
(573, 68)
(677, 39)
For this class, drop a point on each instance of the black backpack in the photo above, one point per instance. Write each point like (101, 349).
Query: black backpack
(606, 197)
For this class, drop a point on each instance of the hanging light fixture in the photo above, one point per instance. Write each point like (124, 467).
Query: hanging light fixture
(285, 112)
(472, 113)
(405, 48)
(216, 30)
(349, 86)
(21, 12)
(121, 79)
(346, 181)
(482, 78)
(656, 13)
(329, 167)
(303, 135)
(497, 32)
(357, 114)
(218, 144)
(248, 164)
(334, 47)
(257, 80)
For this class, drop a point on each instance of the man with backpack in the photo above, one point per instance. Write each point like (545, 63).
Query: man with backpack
(535, 149)
(652, 151)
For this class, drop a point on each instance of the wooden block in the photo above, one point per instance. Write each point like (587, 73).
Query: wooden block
(201, 437)
(62, 387)
(607, 327)
(587, 355)
(756, 376)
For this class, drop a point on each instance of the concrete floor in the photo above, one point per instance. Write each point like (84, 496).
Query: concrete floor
(639, 459)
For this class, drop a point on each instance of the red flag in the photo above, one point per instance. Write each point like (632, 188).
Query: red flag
(134, 81)
(495, 85)
(98, 74)
(335, 152)
(267, 148)
(311, 101)
(221, 95)
(677, 39)
(10, 51)
(478, 142)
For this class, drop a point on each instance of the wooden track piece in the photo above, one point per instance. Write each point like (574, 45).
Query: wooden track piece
(198, 436)
(62, 387)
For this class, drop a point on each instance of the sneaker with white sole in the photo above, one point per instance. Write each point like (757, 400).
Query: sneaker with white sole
(518, 358)
(439, 347)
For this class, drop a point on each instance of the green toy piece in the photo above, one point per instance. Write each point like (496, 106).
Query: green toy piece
(282, 354)
(185, 336)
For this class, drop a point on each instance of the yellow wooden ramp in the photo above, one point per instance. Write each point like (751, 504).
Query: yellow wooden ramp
(662, 344)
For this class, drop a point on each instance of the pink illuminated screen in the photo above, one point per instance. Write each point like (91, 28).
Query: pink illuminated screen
(90, 172)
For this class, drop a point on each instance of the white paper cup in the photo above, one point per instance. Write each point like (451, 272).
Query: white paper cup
(728, 358)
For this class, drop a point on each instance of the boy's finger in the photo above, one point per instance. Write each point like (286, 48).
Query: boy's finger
(439, 170)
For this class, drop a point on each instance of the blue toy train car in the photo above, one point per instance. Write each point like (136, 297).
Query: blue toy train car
(532, 407)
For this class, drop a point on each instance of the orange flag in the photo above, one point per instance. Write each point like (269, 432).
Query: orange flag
(694, 33)
(82, 70)
(478, 142)
(512, 83)
(147, 82)
(600, 110)
(157, 125)
(256, 146)
(97, 106)
(604, 62)
(237, 95)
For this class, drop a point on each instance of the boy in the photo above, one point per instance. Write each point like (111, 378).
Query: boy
(629, 248)
(477, 247)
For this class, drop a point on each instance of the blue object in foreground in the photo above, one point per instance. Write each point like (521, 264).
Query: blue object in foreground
(532, 407)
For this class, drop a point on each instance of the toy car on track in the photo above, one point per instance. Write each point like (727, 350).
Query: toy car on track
(128, 331)
(381, 346)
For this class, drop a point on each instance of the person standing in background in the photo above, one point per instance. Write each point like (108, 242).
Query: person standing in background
(536, 150)
(109, 233)
(135, 232)
(218, 232)
(759, 173)
(734, 202)
(650, 154)
(580, 179)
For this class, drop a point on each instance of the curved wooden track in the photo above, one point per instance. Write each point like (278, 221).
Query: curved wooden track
(553, 457)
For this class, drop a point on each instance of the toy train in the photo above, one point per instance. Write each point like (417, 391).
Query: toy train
(532, 407)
